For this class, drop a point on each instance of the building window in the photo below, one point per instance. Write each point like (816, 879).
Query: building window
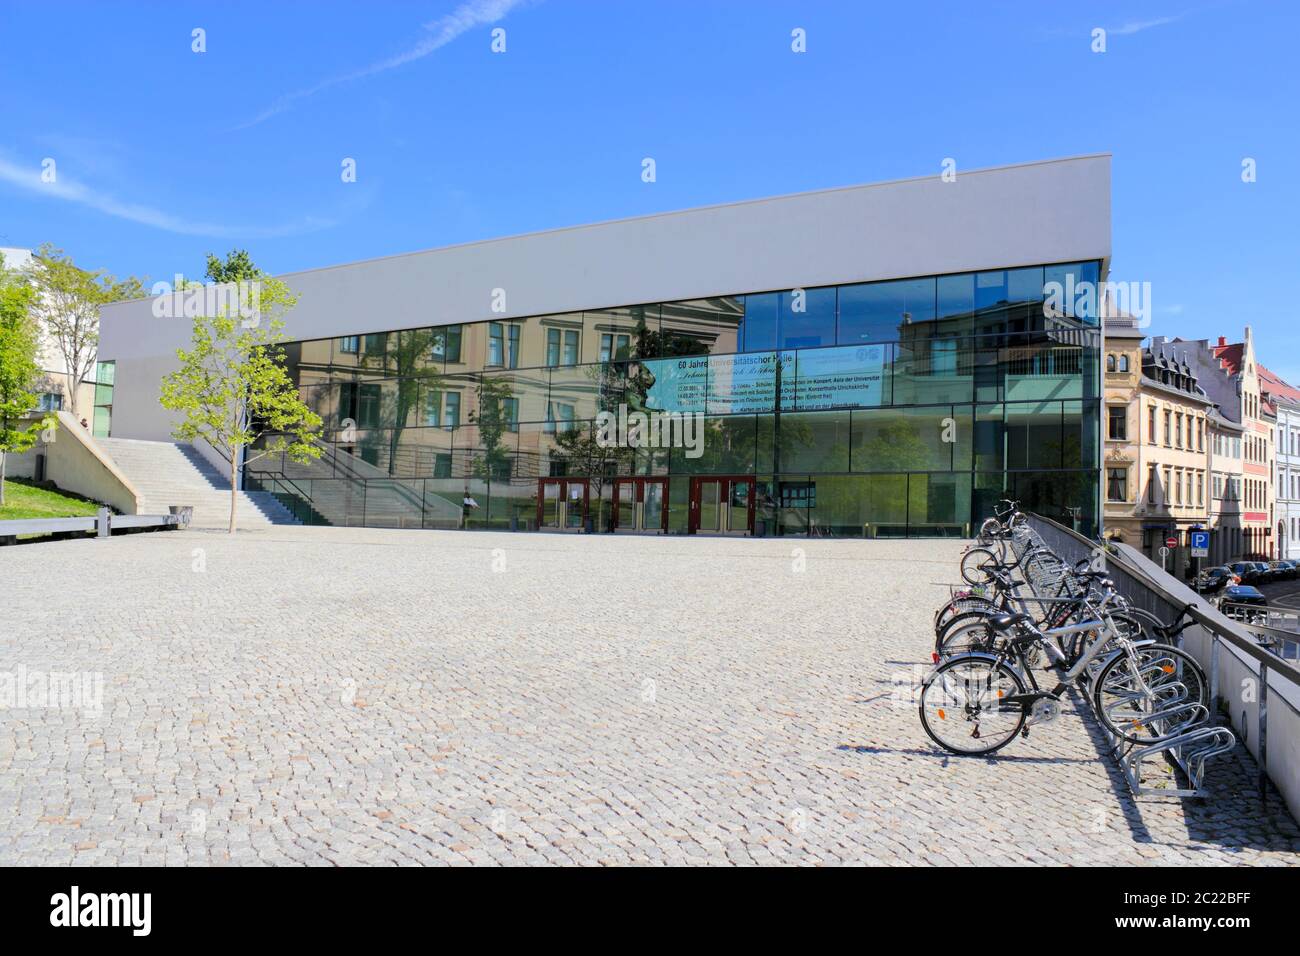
(1169, 433)
(1117, 484)
(1153, 479)
(510, 411)
(446, 344)
(50, 402)
(1117, 427)
(562, 347)
(512, 346)
(1110, 363)
(559, 417)
(1151, 424)
(614, 347)
(350, 344)
(1123, 363)
(496, 344)
(451, 410)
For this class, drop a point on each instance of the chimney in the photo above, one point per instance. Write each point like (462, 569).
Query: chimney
(1222, 341)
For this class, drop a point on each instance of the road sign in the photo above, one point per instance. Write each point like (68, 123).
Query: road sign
(1200, 544)
(1171, 541)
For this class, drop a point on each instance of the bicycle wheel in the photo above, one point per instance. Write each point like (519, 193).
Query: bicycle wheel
(1151, 693)
(960, 609)
(961, 707)
(962, 605)
(1129, 627)
(978, 565)
(966, 633)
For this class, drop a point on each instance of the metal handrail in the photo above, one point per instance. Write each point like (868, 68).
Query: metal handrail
(1221, 625)
(1221, 630)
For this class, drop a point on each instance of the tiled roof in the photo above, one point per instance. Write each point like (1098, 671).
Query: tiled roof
(1275, 387)
(1230, 355)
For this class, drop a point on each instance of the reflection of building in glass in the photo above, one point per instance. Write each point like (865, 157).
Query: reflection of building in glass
(906, 385)
(905, 407)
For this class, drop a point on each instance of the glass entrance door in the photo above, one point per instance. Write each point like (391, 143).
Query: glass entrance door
(562, 503)
(723, 505)
(641, 504)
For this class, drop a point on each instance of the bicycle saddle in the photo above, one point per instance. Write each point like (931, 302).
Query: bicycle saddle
(1004, 622)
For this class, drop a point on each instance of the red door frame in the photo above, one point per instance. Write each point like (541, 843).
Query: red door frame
(564, 496)
(638, 496)
(724, 495)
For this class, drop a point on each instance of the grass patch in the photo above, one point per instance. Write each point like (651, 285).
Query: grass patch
(23, 499)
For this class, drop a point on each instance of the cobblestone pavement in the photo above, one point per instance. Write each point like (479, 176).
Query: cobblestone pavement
(336, 696)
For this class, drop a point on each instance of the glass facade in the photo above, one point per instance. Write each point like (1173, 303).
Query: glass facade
(878, 409)
(105, 376)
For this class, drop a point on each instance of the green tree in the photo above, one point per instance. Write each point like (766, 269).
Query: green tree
(19, 369)
(68, 304)
(493, 419)
(236, 267)
(406, 356)
(586, 456)
(233, 388)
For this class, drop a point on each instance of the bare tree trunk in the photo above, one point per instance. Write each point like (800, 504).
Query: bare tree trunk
(73, 387)
(2, 479)
(234, 495)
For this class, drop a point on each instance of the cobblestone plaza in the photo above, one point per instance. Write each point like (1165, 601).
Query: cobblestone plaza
(597, 700)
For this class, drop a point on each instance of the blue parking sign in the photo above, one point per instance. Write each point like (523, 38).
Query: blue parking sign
(1200, 544)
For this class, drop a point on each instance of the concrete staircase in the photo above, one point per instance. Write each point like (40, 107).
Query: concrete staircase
(170, 473)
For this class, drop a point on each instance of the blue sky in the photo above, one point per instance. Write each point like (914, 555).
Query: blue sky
(163, 154)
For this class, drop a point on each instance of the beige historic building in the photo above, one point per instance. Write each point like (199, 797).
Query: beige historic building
(1157, 445)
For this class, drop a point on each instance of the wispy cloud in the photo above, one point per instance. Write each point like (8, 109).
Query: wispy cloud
(1137, 26)
(28, 179)
(437, 34)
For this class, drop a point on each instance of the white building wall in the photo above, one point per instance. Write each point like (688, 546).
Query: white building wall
(1286, 476)
(1052, 211)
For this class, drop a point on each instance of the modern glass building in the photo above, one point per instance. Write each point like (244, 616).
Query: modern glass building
(903, 407)
(878, 361)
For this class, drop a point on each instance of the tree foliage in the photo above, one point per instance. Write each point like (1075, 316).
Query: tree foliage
(19, 369)
(233, 389)
(68, 302)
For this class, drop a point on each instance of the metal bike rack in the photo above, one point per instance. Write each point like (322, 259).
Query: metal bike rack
(1188, 751)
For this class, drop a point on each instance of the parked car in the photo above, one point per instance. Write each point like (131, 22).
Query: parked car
(1284, 570)
(1245, 571)
(1266, 574)
(1213, 580)
(1245, 603)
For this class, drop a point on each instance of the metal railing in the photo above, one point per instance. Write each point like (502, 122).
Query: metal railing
(100, 525)
(1262, 702)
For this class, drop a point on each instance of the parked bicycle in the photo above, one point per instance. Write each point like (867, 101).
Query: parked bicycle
(983, 691)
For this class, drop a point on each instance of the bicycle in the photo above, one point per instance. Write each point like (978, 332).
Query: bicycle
(976, 703)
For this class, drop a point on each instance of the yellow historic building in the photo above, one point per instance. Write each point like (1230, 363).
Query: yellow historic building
(1157, 445)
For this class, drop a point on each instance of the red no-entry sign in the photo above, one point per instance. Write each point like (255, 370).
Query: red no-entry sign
(1171, 541)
